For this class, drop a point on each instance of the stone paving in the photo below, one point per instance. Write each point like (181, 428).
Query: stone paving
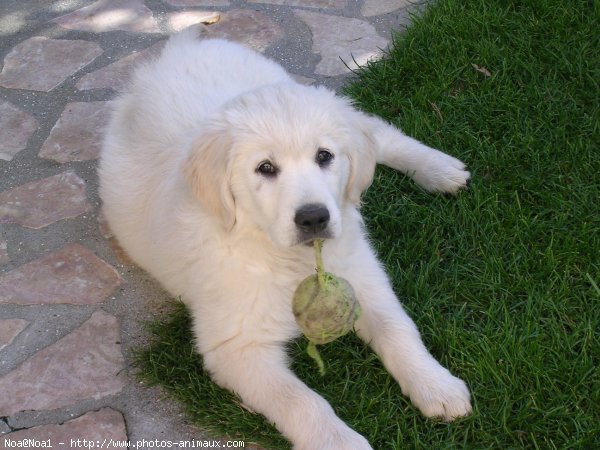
(72, 306)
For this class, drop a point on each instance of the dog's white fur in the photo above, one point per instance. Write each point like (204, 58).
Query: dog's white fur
(182, 193)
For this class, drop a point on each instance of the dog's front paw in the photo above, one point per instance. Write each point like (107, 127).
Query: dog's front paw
(441, 395)
(442, 173)
(344, 439)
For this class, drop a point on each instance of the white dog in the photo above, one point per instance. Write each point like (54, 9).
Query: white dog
(217, 171)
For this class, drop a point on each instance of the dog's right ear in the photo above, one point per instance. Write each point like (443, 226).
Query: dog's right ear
(362, 157)
(207, 172)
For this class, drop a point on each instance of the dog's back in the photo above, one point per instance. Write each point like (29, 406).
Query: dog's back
(169, 99)
(167, 104)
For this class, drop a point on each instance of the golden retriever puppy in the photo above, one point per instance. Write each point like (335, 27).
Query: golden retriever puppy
(216, 173)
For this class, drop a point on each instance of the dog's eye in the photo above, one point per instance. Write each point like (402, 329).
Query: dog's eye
(267, 169)
(324, 157)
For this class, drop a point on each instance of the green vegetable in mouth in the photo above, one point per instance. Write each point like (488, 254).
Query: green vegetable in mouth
(325, 307)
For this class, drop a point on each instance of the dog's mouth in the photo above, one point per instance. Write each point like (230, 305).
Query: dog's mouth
(309, 241)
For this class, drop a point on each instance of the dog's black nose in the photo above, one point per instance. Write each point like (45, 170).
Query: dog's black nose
(312, 218)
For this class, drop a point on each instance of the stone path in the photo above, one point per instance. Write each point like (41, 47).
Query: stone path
(72, 307)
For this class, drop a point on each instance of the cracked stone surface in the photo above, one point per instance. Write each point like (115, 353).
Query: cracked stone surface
(32, 64)
(41, 203)
(332, 36)
(77, 135)
(94, 426)
(72, 275)
(87, 363)
(10, 329)
(16, 127)
(116, 75)
(110, 15)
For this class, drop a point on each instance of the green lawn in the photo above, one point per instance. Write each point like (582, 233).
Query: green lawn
(503, 279)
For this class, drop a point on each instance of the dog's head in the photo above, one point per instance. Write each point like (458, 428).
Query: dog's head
(286, 159)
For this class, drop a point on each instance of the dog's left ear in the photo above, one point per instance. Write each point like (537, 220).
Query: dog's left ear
(362, 157)
(207, 172)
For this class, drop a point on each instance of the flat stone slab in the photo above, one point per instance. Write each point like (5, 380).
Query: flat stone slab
(111, 15)
(41, 64)
(40, 203)
(116, 75)
(4, 258)
(87, 363)
(77, 135)
(323, 4)
(10, 329)
(16, 127)
(95, 427)
(250, 28)
(179, 20)
(377, 7)
(72, 275)
(341, 37)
